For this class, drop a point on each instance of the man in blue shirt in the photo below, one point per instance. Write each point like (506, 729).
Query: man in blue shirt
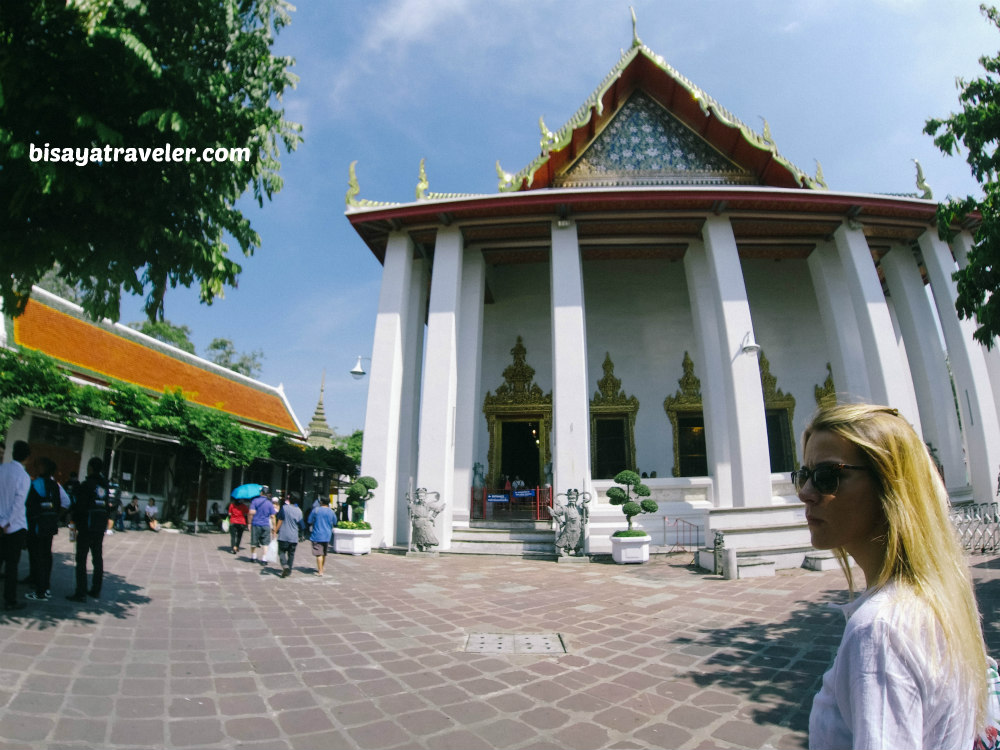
(261, 510)
(321, 520)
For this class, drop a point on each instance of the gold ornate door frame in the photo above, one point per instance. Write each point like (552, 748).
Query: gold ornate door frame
(518, 399)
(610, 401)
(687, 400)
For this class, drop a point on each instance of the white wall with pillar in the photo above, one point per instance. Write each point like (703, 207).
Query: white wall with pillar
(469, 422)
(888, 378)
(927, 363)
(972, 383)
(744, 401)
(438, 403)
(847, 360)
(713, 384)
(389, 415)
(570, 391)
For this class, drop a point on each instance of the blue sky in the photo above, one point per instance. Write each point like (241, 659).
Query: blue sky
(462, 84)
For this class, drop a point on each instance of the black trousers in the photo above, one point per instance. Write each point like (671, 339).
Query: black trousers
(10, 551)
(286, 553)
(236, 534)
(40, 561)
(89, 542)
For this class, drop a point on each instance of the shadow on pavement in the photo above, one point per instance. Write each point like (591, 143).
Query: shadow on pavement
(778, 666)
(119, 598)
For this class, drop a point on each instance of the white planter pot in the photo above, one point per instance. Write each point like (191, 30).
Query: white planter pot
(630, 549)
(352, 541)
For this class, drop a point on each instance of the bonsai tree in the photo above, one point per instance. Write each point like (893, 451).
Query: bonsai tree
(623, 496)
(359, 493)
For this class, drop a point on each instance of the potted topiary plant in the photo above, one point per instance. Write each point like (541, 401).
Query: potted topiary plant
(354, 537)
(631, 545)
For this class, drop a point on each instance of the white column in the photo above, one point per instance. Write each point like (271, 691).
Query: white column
(887, 376)
(961, 246)
(438, 403)
(750, 460)
(928, 367)
(975, 397)
(469, 423)
(847, 361)
(570, 398)
(409, 414)
(709, 366)
(380, 453)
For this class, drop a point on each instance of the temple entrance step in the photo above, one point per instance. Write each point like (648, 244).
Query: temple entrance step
(519, 541)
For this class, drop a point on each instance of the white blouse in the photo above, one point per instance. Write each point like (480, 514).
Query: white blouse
(888, 687)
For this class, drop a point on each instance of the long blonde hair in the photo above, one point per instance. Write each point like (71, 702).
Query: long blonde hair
(922, 548)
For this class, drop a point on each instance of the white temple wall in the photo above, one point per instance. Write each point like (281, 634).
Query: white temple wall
(789, 329)
(638, 311)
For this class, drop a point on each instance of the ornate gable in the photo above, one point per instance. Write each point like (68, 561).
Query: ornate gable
(645, 144)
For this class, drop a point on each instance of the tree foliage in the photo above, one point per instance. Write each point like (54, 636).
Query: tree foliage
(52, 281)
(167, 332)
(223, 353)
(351, 445)
(99, 75)
(359, 493)
(977, 127)
(631, 483)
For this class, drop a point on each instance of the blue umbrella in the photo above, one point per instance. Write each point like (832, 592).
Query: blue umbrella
(246, 491)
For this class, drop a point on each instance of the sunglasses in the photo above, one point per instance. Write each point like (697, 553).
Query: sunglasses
(825, 478)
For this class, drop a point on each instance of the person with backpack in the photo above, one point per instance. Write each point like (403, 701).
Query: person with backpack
(45, 500)
(90, 515)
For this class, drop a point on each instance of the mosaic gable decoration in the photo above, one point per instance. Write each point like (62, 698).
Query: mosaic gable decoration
(645, 144)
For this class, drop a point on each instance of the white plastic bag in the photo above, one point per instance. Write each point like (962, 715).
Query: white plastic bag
(271, 555)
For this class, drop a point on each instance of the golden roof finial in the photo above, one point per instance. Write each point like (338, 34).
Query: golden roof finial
(768, 139)
(636, 41)
(353, 189)
(819, 174)
(422, 183)
(505, 177)
(922, 183)
(548, 137)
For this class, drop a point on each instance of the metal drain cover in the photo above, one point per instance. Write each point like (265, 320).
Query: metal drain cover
(511, 643)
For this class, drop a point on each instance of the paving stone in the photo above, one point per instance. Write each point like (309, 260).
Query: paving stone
(367, 664)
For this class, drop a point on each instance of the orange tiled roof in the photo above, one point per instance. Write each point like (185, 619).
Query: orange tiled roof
(97, 352)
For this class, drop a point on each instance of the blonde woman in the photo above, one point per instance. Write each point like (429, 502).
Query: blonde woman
(910, 671)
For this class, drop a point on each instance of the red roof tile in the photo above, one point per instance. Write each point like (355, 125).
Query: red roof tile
(99, 353)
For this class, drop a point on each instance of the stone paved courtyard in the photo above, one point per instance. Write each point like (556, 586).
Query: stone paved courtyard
(193, 647)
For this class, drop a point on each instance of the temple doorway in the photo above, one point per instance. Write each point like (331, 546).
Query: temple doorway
(520, 452)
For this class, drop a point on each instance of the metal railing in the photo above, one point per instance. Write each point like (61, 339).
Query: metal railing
(978, 526)
(686, 535)
(510, 505)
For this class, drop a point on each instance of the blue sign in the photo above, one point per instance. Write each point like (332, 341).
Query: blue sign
(497, 498)
(524, 493)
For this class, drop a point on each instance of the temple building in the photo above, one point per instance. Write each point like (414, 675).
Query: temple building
(141, 462)
(660, 290)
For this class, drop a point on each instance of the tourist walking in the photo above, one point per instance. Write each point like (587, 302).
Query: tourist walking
(911, 667)
(321, 521)
(90, 514)
(14, 485)
(237, 523)
(261, 510)
(288, 525)
(45, 500)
